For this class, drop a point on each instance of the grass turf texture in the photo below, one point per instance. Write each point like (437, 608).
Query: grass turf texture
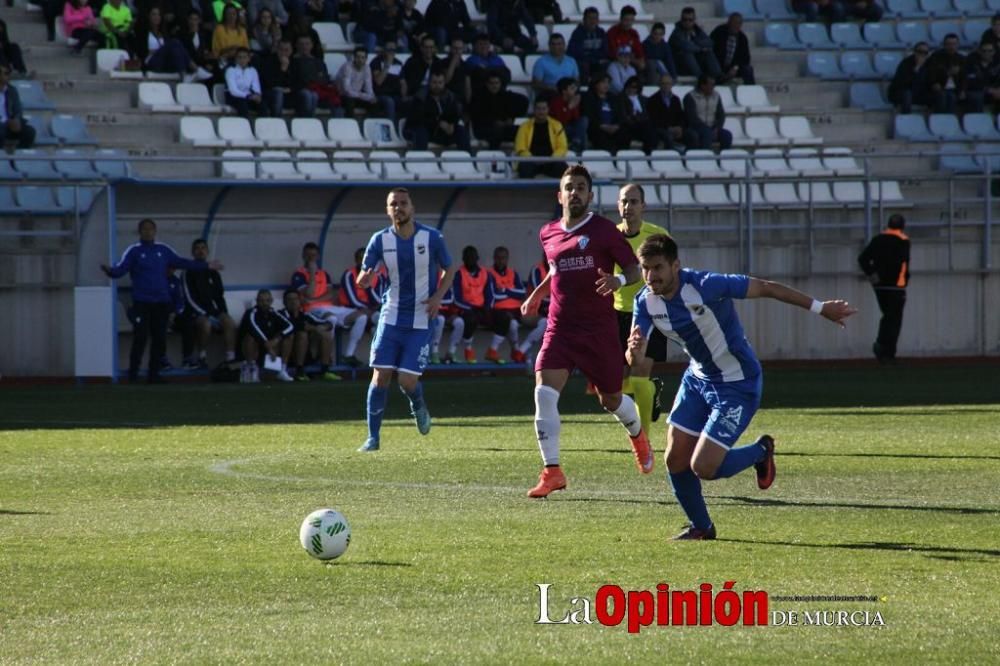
(160, 524)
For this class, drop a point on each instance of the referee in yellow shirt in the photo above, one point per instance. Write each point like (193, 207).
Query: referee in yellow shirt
(631, 207)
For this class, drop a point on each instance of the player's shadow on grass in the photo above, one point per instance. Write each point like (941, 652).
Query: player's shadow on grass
(806, 454)
(759, 501)
(936, 552)
(370, 563)
(14, 512)
(934, 412)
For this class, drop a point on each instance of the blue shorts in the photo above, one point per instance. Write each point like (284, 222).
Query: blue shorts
(720, 410)
(402, 349)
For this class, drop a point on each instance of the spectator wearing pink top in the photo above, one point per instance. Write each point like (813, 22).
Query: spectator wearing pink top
(80, 24)
(355, 82)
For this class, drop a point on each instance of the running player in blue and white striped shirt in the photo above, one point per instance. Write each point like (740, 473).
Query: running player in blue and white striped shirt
(720, 391)
(413, 256)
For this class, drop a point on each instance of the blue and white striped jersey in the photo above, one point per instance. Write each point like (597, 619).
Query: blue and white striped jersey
(701, 318)
(413, 267)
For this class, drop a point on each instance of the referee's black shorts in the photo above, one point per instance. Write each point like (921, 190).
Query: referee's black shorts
(656, 348)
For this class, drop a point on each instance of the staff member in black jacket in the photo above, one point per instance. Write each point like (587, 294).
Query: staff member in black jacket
(206, 311)
(886, 262)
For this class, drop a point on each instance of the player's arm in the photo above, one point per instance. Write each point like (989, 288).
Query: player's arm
(434, 302)
(608, 283)
(370, 262)
(531, 305)
(642, 326)
(836, 311)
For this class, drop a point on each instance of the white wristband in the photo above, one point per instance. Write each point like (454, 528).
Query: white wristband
(622, 279)
(816, 307)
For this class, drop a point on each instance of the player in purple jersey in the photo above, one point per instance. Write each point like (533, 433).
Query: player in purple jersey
(581, 249)
(721, 389)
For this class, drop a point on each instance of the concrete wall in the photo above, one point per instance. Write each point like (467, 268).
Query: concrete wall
(259, 233)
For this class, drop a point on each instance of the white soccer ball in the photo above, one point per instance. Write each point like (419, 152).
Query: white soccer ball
(325, 534)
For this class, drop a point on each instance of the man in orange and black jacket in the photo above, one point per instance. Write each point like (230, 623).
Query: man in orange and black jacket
(886, 262)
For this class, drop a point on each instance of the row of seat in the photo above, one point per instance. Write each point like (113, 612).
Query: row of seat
(423, 165)
(881, 35)
(779, 10)
(853, 65)
(784, 195)
(235, 132)
(963, 158)
(60, 129)
(32, 95)
(64, 164)
(44, 200)
(946, 127)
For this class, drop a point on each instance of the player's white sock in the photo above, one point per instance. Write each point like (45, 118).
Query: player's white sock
(628, 415)
(534, 336)
(354, 337)
(438, 332)
(513, 332)
(495, 342)
(457, 331)
(547, 423)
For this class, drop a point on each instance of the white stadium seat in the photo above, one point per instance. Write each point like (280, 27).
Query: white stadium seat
(278, 165)
(315, 165)
(669, 164)
(382, 133)
(389, 166)
(200, 131)
(423, 170)
(347, 133)
(194, 97)
(309, 132)
(236, 132)
(238, 169)
(274, 133)
(352, 166)
(459, 164)
(158, 98)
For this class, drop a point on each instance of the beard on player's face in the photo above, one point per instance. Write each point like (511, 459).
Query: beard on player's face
(576, 207)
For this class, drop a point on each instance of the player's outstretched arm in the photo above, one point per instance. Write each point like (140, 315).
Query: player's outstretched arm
(636, 346)
(836, 311)
(607, 283)
(434, 302)
(532, 304)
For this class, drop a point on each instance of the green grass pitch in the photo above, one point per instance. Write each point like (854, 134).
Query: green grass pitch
(160, 525)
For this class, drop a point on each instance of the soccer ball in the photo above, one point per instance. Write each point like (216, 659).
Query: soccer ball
(325, 534)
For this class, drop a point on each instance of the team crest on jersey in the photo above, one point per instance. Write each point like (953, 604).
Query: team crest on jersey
(732, 418)
(583, 242)
(421, 249)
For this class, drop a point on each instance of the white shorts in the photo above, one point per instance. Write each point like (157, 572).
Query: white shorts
(336, 314)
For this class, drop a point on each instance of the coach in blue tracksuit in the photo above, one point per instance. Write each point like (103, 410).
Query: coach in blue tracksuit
(147, 263)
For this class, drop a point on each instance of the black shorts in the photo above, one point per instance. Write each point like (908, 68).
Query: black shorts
(656, 347)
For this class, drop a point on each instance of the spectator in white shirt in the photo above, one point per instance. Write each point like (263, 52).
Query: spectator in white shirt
(243, 86)
(355, 82)
(621, 70)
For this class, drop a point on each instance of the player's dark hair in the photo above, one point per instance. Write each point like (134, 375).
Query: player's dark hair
(627, 10)
(310, 246)
(264, 291)
(399, 190)
(658, 245)
(198, 241)
(565, 82)
(469, 251)
(291, 291)
(642, 192)
(145, 220)
(896, 221)
(500, 248)
(579, 170)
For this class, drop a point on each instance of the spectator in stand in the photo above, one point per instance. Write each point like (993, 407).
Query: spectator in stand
(379, 21)
(624, 34)
(944, 74)
(205, 310)
(469, 291)
(910, 84)
(705, 117)
(243, 91)
(553, 67)
(307, 331)
(277, 9)
(866, 10)
(635, 118)
(588, 45)
(320, 298)
(437, 117)
(146, 263)
(446, 19)
(263, 331)
(414, 25)
(482, 63)
(420, 66)
(511, 28)
(14, 131)
(567, 107)
(301, 26)
(197, 41)
(692, 48)
(309, 73)
(992, 33)
(79, 23)
(317, 10)
(604, 128)
(116, 24)
(265, 35)
(355, 83)
(831, 10)
(494, 110)
(659, 55)
(542, 136)
(621, 70)
(732, 50)
(544, 11)
(230, 36)
(667, 115)
(981, 80)
(455, 76)
(504, 295)
(160, 53)
(387, 81)
(278, 85)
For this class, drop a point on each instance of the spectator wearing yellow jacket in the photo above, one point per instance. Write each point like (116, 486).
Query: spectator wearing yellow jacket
(541, 136)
